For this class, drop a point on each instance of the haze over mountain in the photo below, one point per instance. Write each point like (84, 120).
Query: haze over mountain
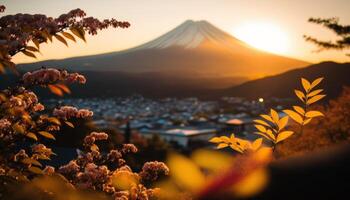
(336, 76)
(192, 49)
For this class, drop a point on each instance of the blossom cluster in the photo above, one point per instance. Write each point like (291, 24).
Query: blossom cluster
(50, 75)
(109, 172)
(152, 170)
(19, 29)
(67, 112)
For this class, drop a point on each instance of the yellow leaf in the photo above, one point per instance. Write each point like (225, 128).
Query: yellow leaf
(257, 144)
(54, 120)
(306, 121)
(56, 90)
(78, 32)
(306, 84)
(260, 128)
(70, 124)
(94, 147)
(282, 122)
(267, 117)
(316, 82)
(251, 184)
(225, 139)
(212, 160)
(299, 109)
(313, 93)
(314, 113)
(185, 172)
(64, 88)
(69, 36)
(18, 128)
(315, 98)
(47, 135)
(237, 148)
(215, 140)
(28, 53)
(61, 39)
(284, 135)
(270, 134)
(274, 116)
(43, 157)
(35, 170)
(31, 161)
(294, 115)
(222, 145)
(262, 122)
(32, 136)
(300, 95)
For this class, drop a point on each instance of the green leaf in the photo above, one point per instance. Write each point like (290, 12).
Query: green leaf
(47, 135)
(315, 98)
(314, 113)
(294, 115)
(284, 135)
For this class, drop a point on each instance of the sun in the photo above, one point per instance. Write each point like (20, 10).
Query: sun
(264, 36)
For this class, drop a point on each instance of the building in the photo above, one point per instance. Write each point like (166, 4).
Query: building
(183, 135)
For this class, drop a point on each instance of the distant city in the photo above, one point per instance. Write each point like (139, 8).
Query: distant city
(183, 121)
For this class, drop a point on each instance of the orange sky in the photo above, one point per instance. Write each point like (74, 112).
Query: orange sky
(151, 18)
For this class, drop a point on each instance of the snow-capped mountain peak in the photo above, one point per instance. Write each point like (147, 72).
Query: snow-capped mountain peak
(189, 34)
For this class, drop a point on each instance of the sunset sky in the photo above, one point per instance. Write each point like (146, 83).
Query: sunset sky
(273, 25)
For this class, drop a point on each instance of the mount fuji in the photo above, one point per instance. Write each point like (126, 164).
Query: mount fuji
(194, 47)
(194, 55)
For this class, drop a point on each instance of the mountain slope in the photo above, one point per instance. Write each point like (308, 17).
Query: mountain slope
(194, 48)
(336, 76)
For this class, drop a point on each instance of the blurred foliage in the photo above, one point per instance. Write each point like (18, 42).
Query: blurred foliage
(342, 31)
(323, 132)
(273, 127)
